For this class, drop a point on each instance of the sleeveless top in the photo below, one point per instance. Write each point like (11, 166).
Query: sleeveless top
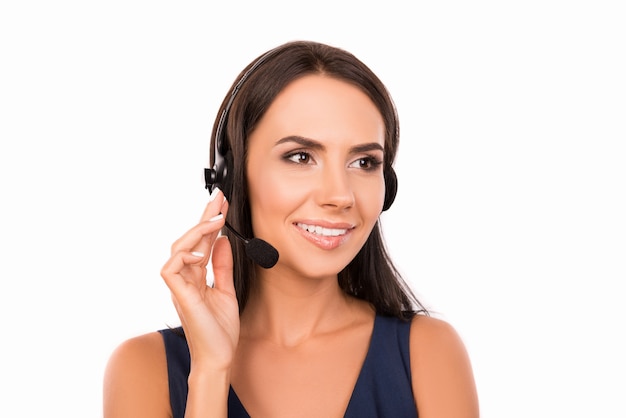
(383, 388)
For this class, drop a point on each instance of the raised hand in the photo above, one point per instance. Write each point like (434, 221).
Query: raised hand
(209, 313)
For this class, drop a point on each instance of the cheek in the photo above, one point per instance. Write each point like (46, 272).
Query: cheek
(271, 195)
(371, 199)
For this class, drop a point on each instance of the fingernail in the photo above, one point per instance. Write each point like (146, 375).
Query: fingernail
(197, 254)
(213, 194)
(216, 217)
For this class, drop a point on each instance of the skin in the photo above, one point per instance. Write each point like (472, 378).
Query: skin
(297, 349)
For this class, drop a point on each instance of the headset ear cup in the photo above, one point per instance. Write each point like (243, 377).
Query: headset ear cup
(391, 187)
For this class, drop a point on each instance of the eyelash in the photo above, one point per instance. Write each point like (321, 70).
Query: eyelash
(371, 162)
(290, 157)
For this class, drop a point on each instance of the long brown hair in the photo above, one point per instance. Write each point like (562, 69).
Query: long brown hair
(371, 275)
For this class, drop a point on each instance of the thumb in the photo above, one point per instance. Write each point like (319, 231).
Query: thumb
(223, 265)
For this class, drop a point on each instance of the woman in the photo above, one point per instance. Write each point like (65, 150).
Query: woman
(320, 324)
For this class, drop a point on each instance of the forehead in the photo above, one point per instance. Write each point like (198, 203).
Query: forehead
(322, 107)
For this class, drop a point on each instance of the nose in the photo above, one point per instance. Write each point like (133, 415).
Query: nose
(335, 189)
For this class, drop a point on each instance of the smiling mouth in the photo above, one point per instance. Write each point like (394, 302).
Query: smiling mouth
(318, 230)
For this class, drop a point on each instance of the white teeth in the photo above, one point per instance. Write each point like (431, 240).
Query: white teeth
(318, 230)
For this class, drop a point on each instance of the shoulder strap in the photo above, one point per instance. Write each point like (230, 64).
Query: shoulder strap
(178, 365)
(384, 387)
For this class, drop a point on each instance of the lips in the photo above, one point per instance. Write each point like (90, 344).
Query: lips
(325, 237)
(320, 230)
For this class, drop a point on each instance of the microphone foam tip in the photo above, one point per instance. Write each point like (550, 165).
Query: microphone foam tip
(262, 253)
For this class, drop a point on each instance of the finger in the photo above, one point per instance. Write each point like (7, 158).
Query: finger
(174, 279)
(216, 201)
(200, 237)
(222, 261)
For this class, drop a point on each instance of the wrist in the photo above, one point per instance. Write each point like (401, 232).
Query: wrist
(203, 375)
(208, 393)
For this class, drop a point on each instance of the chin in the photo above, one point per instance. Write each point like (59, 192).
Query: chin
(320, 267)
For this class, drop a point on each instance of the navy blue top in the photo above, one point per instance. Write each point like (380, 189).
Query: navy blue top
(383, 388)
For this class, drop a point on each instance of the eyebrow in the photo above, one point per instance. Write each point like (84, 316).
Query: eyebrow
(310, 143)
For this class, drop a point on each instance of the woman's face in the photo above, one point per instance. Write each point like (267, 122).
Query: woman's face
(315, 174)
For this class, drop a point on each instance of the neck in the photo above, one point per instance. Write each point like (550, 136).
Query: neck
(287, 310)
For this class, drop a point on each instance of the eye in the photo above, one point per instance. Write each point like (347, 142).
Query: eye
(368, 163)
(299, 157)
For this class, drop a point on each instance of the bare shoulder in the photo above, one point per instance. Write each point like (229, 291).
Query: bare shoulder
(428, 332)
(135, 379)
(442, 376)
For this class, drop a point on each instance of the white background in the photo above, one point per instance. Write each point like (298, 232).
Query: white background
(509, 220)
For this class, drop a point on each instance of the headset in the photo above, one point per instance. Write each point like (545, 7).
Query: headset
(221, 155)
